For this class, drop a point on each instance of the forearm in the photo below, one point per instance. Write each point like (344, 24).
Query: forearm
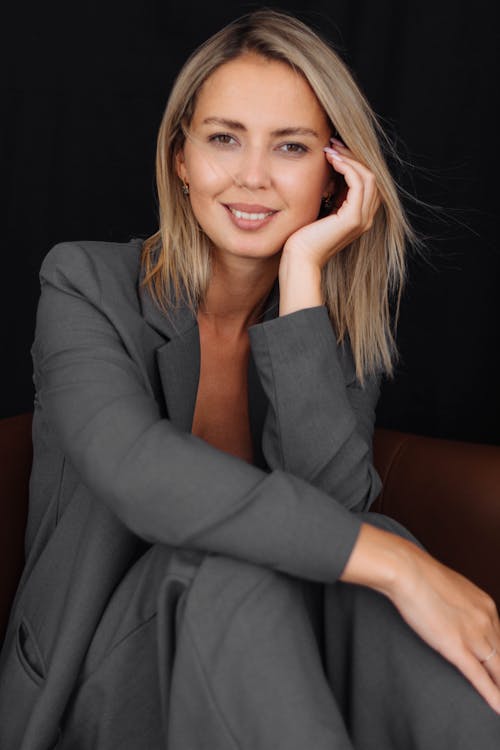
(378, 559)
(320, 420)
(443, 607)
(300, 285)
(164, 484)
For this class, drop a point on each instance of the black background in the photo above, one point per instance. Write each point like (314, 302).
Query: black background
(83, 86)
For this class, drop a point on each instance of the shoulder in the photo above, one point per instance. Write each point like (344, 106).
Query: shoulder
(92, 288)
(89, 266)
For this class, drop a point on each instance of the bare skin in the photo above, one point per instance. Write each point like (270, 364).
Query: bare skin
(263, 97)
(221, 410)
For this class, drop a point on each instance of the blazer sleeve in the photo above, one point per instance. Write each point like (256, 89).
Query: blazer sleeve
(320, 421)
(166, 485)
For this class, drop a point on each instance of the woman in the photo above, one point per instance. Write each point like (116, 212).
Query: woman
(201, 569)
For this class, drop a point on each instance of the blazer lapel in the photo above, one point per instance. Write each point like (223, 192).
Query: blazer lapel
(178, 363)
(257, 400)
(177, 357)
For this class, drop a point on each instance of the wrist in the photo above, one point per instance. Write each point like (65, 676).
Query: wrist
(380, 560)
(300, 284)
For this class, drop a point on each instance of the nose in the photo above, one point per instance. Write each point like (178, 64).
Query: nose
(253, 169)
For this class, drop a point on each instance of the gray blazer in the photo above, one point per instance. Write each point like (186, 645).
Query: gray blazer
(116, 468)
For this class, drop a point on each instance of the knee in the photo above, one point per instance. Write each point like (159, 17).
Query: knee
(238, 589)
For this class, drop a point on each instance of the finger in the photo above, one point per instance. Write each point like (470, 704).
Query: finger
(493, 669)
(354, 202)
(488, 651)
(475, 672)
(337, 143)
(344, 150)
(340, 146)
(494, 618)
(347, 167)
(370, 197)
(491, 663)
(348, 156)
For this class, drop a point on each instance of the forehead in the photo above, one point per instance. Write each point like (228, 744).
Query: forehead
(253, 89)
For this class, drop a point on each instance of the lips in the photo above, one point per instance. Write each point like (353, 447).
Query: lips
(250, 211)
(249, 217)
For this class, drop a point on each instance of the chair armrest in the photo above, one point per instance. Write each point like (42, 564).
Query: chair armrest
(447, 493)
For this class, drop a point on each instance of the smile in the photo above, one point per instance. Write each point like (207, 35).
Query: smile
(251, 217)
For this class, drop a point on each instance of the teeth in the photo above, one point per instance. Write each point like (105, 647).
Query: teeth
(252, 217)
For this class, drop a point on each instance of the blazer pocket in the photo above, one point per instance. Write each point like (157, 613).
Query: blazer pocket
(29, 654)
(21, 683)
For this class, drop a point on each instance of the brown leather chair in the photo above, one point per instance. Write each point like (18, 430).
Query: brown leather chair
(16, 454)
(447, 493)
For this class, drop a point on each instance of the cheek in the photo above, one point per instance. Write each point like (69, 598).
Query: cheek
(304, 188)
(324, 176)
(209, 174)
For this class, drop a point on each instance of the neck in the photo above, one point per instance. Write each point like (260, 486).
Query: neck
(237, 292)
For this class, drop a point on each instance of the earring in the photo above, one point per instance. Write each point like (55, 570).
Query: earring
(185, 188)
(327, 202)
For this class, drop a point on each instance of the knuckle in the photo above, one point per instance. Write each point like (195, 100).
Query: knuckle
(482, 618)
(491, 606)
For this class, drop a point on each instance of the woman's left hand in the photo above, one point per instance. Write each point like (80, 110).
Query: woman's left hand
(316, 243)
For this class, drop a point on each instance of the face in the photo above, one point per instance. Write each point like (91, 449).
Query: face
(253, 158)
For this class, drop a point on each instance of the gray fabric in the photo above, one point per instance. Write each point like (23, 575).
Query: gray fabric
(253, 659)
(143, 539)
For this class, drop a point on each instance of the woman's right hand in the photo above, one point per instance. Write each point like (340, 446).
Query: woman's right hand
(447, 610)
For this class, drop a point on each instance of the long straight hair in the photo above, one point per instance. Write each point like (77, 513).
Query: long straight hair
(362, 280)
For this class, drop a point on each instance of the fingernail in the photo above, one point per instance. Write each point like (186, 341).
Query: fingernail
(333, 153)
(336, 140)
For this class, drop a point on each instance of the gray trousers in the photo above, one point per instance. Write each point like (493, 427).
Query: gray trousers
(204, 652)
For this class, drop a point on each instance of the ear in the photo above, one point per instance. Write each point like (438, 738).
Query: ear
(180, 165)
(331, 185)
(339, 191)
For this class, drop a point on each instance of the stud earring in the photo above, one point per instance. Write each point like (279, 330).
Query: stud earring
(327, 202)
(185, 188)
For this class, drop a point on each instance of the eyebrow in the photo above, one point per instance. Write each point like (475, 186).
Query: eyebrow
(280, 133)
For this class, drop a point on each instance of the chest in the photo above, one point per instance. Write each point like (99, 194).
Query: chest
(221, 409)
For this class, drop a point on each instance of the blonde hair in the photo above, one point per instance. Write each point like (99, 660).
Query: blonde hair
(359, 282)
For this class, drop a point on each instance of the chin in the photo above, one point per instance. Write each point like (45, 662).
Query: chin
(246, 248)
(250, 252)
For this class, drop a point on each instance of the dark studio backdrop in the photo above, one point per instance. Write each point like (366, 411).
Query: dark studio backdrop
(83, 89)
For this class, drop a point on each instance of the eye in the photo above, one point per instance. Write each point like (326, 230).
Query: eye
(222, 139)
(294, 149)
